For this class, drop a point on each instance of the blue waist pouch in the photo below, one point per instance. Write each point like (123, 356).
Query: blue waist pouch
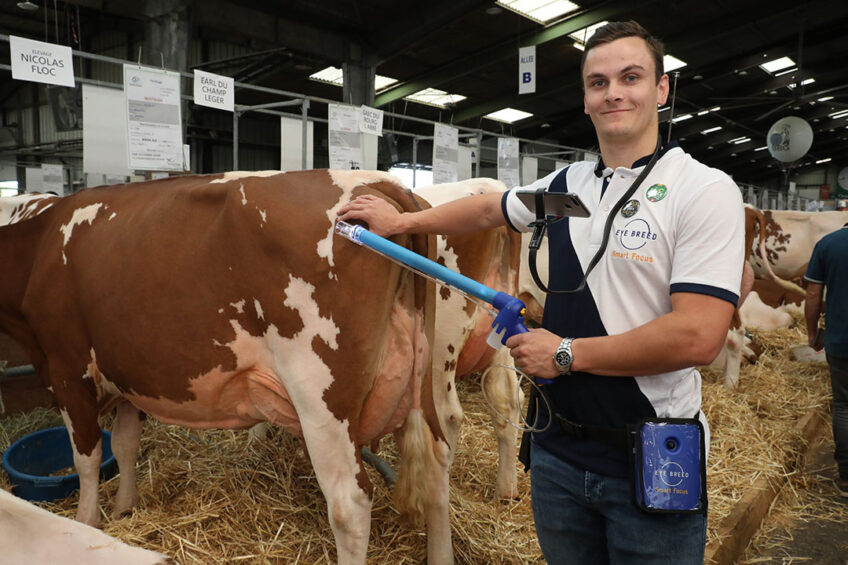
(669, 456)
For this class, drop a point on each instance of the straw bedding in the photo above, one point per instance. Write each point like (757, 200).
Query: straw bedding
(215, 497)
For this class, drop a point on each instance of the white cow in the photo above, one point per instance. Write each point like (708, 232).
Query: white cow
(30, 535)
(757, 315)
(459, 349)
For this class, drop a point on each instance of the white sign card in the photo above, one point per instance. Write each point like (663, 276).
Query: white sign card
(445, 153)
(34, 177)
(114, 179)
(37, 61)
(104, 132)
(371, 121)
(291, 144)
(154, 120)
(529, 170)
(94, 179)
(214, 91)
(344, 137)
(369, 151)
(466, 158)
(527, 70)
(508, 162)
(53, 178)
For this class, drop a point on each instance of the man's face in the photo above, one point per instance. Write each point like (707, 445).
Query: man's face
(620, 92)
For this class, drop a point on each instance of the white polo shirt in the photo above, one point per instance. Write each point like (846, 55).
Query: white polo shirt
(681, 231)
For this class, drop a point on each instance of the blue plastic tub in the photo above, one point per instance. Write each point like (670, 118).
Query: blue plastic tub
(30, 461)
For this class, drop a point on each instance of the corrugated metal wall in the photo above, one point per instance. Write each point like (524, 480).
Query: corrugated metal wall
(110, 44)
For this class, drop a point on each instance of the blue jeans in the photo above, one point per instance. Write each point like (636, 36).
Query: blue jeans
(586, 518)
(839, 385)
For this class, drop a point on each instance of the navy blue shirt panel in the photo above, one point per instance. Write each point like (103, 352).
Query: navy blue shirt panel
(611, 402)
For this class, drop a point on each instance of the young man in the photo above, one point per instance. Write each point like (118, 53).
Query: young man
(828, 268)
(658, 302)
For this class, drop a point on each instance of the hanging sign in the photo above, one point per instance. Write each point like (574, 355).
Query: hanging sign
(53, 178)
(37, 61)
(445, 153)
(214, 91)
(527, 70)
(529, 170)
(508, 161)
(371, 121)
(154, 121)
(345, 139)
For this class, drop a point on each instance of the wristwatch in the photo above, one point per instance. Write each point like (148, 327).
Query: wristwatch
(563, 357)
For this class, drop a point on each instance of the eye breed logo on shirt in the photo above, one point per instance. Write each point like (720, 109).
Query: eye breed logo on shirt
(630, 208)
(656, 192)
(635, 234)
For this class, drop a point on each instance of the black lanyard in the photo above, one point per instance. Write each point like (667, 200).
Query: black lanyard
(541, 225)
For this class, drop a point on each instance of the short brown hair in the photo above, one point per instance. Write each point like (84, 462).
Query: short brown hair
(620, 30)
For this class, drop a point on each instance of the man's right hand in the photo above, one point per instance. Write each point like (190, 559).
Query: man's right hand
(382, 218)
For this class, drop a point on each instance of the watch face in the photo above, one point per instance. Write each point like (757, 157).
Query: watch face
(563, 359)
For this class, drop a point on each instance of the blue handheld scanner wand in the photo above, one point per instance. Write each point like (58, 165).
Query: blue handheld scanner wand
(510, 318)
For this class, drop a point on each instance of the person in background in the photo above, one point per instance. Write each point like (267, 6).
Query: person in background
(658, 303)
(828, 270)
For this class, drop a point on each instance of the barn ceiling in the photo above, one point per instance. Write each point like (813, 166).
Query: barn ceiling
(469, 47)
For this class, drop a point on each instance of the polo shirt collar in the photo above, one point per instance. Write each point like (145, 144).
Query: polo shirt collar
(602, 170)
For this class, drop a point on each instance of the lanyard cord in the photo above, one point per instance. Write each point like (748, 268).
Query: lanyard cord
(541, 224)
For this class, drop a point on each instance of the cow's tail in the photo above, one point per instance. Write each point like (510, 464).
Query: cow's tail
(785, 284)
(411, 492)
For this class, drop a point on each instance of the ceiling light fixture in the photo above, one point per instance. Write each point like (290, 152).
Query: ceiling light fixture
(28, 6)
(540, 11)
(777, 65)
(508, 115)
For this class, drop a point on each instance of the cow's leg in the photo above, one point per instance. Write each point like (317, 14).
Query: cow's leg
(344, 482)
(501, 387)
(422, 489)
(733, 347)
(126, 435)
(86, 439)
(439, 548)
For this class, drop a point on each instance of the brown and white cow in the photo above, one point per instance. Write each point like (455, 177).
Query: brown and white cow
(790, 238)
(30, 535)
(738, 345)
(14, 209)
(221, 301)
(776, 295)
(490, 257)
